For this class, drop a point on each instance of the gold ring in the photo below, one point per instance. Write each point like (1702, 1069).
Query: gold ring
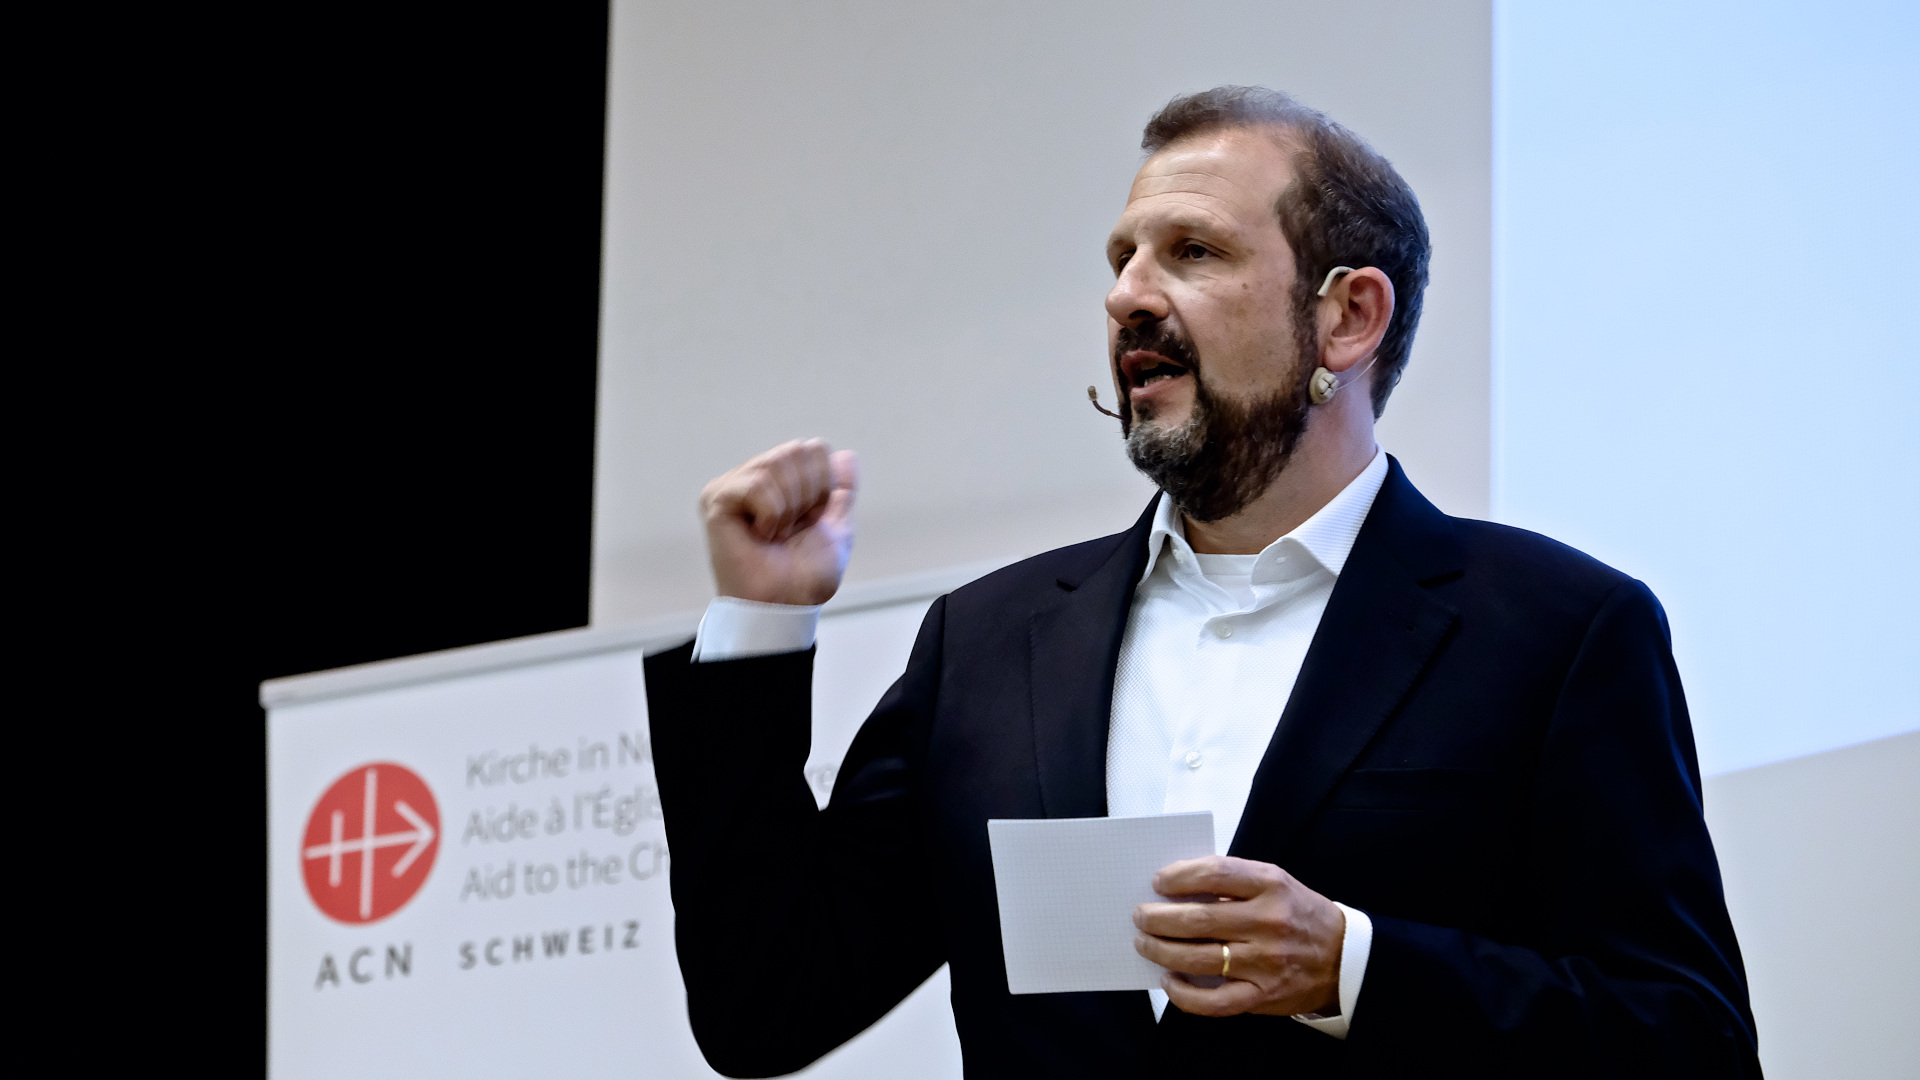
(1226, 959)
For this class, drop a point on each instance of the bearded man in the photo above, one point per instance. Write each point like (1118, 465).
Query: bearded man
(1450, 761)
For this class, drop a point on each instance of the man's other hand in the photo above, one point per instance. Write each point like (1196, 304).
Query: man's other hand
(780, 527)
(1285, 939)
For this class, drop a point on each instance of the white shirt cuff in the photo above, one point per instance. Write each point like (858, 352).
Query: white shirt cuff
(734, 629)
(1355, 946)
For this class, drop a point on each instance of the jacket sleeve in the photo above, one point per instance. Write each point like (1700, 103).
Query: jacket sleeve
(796, 927)
(1633, 969)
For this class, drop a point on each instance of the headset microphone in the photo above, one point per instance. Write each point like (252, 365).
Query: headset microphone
(1094, 396)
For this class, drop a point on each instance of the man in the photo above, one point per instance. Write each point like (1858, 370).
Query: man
(1450, 762)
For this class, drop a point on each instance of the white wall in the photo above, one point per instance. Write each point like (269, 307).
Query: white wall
(1822, 865)
(1706, 371)
(884, 223)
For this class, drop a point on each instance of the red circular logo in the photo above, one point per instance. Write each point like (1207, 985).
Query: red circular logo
(370, 843)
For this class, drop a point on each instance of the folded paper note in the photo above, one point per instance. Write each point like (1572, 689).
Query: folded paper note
(1067, 890)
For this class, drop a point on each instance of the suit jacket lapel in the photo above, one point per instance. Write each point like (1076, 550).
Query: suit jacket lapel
(1380, 628)
(1075, 647)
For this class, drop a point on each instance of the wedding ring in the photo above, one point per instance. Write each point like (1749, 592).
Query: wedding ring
(1226, 959)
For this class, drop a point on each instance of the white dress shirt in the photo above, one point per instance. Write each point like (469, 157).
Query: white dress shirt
(1212, 648)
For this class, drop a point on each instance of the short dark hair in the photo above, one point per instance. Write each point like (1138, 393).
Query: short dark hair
(1346, 206)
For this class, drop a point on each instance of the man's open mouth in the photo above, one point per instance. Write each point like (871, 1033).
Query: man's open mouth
(1143, 369)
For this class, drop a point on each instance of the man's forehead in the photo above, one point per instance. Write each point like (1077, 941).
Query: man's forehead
(1236, 169)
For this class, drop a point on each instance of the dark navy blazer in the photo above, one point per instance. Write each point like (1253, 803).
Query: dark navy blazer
(1487, 750)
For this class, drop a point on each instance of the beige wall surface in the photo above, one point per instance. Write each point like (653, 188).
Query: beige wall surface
(1821, 859)
(883, 224)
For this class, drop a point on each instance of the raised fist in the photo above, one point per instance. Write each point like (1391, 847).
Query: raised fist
(780, 527)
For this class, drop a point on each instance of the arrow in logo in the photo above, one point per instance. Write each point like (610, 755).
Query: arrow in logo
(369, 841)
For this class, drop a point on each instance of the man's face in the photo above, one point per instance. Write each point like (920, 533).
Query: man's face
(1200, 322)
(1200, 250)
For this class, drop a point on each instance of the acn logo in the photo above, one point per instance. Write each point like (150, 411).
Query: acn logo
(370, 843)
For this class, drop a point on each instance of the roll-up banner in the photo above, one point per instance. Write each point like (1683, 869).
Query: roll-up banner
(468, 867)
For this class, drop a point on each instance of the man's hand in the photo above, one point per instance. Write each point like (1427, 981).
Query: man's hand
(1284, 937)
(780, 527)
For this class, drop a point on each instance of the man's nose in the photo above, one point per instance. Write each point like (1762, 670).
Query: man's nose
(1136, 296)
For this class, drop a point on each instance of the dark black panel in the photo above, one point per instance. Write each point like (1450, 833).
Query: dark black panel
(427, 390)
(373, 428)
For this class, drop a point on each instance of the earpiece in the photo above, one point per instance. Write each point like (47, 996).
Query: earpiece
(1324, 384)
(1327, 285)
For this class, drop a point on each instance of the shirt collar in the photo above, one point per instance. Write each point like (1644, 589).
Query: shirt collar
(1328, 535)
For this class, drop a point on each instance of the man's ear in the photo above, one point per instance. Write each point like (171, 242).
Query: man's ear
(1353, 317)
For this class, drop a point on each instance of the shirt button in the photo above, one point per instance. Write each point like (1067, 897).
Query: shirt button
(1193, 759)
(1226, 631)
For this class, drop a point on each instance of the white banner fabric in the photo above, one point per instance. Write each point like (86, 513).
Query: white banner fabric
(468, 877)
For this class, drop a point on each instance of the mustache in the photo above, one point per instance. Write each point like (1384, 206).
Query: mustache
(1157, 337)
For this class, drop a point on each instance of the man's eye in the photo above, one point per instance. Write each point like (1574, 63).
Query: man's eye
(1193, 251)
(1120, 263)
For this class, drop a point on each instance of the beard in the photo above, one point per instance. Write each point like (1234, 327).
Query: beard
(1229, 450)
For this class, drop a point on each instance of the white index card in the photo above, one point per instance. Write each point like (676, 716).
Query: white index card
(1067, 889)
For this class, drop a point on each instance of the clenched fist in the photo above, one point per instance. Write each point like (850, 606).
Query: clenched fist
(780, 527)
